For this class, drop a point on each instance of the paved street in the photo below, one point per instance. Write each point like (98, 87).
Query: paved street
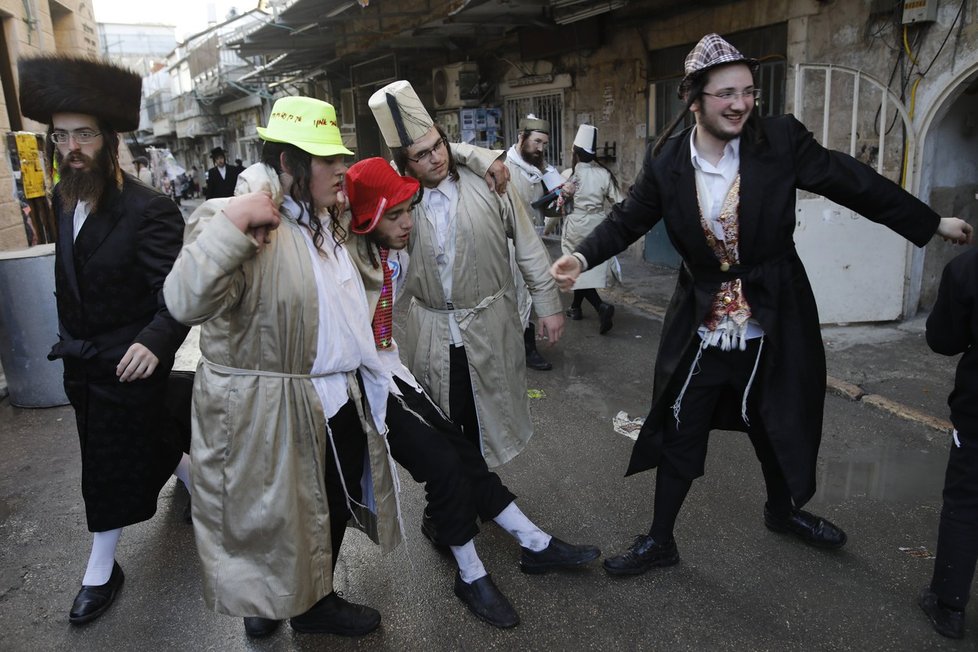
(738, 586)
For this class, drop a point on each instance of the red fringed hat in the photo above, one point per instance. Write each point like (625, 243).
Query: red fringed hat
(373, 187)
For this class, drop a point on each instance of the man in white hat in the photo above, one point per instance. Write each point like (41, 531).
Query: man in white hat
(460, 489)
(117, 241)
(463, 331)
(741, 347)
(532, 178)
(594, 188)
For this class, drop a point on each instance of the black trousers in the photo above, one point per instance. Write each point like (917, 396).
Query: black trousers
(349, 443)
(722, 375)
(461, 400)
(957, 539)
(458, 484)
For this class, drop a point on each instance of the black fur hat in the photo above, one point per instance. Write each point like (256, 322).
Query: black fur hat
(61, 84)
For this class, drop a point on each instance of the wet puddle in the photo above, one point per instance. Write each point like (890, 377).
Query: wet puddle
(889, 474)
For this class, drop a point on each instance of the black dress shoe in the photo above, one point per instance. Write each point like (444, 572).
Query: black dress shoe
(486, 601)
(558, 554)
(809, 528)
(536, 361)
(946, 621)
(574, 314)
(258, 627)
(334, 615)
(431, 534)
(643, 554)
(92, 601)
(605, 312)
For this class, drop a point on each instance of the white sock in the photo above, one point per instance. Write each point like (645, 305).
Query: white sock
(470, 567)
(183, 471)
(526, 532)
(102, 558)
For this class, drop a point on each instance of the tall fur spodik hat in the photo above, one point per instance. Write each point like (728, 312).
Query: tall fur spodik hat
(52, 84)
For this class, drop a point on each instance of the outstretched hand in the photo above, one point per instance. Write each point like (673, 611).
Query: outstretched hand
(565, 271)
(955, 230)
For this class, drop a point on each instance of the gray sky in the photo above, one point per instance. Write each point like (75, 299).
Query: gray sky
(188, 16)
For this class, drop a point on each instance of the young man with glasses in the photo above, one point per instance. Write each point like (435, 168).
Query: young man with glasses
(462, 341)
(117, 240)
(741, 347)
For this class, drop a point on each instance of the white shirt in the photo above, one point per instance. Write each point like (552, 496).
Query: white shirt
(81, 214)
(344, 341)
(713, 182)
(441, 207)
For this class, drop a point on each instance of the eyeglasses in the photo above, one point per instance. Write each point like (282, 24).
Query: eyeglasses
(730, 96)
(423, 156)
(81, 136)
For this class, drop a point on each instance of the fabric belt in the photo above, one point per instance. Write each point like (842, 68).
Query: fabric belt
(86, 349)
(235, 371)
(467, 313)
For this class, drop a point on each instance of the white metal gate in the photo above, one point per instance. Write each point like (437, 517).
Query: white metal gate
(859, 270)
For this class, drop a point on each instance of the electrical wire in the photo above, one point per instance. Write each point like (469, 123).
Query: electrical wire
(916, 83)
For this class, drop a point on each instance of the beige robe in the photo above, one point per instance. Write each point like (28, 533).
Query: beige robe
(595, 195)
(261, 518)
(485, 310)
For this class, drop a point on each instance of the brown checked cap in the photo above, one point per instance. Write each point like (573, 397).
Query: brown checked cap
(710, 52)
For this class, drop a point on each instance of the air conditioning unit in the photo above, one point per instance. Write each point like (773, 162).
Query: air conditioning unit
(456, 85)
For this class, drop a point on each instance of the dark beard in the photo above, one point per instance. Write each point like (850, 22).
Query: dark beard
(533, 158)
(83, 185)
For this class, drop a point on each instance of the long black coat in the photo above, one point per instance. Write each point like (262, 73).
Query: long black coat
(221, 187)
(108, 284)
(775, 161)
(952, 328)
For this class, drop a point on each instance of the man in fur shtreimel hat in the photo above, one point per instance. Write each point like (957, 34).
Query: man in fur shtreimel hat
(117, 241)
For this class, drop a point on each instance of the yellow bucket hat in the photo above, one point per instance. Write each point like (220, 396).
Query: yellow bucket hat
(307, 123)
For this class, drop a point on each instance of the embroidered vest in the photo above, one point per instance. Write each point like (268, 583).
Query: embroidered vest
(728, 316)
